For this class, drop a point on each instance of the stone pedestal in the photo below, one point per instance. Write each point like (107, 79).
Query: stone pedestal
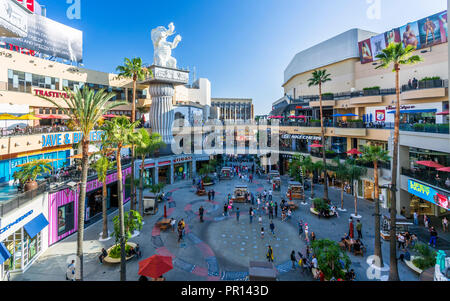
(162, 88)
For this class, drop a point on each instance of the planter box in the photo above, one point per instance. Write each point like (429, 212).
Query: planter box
(313, 211)
(111, 260)
(411, 265)
(371, 92)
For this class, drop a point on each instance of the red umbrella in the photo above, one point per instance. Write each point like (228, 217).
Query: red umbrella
(443, 113)
(316, 145)
(155, 266)
(165, 211)
(301, 116)
(446, 169)
(430, 164)
(109, 116)
(354, 151)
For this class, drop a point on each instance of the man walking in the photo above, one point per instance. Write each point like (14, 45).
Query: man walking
(270, 254)
(416, 218)
(359, 229)
(433, 237)
(200, 213)
(213, 194)
(250, 214)
(300, 228)
(238, 212)
(276, 209)
(225, 209)
(293, 259)
(270, 211)
(272, 227)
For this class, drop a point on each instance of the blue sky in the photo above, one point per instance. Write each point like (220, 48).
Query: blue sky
(241, 46)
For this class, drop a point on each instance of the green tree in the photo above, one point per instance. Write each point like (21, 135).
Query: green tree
(133, 69)
(120, 132)
(30, 171)
(395, 55)
(331, 259)
(376, 154)
(85, 108)
(133, 221)
(355, 173)
(342, 174)
(319, 77)
(102, 165)
(148, 145)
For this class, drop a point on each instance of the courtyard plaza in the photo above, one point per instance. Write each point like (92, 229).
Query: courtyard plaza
(220, 248)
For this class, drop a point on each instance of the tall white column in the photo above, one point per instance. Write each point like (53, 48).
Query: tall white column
(161, 110)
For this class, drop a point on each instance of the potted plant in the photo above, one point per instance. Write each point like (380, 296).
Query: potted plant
(430, 82)
(30, 171)
(418, 127)
(371, 91)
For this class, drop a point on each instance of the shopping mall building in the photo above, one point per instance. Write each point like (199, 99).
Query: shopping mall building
(359, 109)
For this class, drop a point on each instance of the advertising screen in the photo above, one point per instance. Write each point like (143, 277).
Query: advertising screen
(366, 51)
(410, 35)
(65, 219)
(377, 43)
(51, 38)
(428, 194)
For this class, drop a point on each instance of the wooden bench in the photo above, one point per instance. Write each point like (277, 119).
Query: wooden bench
(111, 260)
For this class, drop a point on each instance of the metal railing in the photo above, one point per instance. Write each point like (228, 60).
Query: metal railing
(425, 128)
(425, 176)
(22, 198)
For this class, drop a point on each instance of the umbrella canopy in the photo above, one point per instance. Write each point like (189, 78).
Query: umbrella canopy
(28, 117)
(109, 116)
(338, 115)
(350, 115)
(354, 151)
(443, 113)
(316, 145)
(446, 169)
(430, 164)
(301, 116)
(155, 266)
(8, 117)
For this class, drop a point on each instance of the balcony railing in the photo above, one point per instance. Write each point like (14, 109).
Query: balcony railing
(22, 198)
(425, 176)
(426, 84)
(425, 128)
(33, 130)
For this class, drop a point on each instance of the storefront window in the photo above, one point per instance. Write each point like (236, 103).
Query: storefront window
(421, 206)
(65, 219)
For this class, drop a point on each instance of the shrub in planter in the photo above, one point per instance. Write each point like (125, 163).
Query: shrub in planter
(115, 251)
(327, 96)
(331, 259)
(320, 204)
(426, 258)
(419, 127)
(371, 91)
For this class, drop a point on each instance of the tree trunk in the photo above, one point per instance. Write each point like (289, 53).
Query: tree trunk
(393, 272)
(123, 273)
(378, 252)
(324, 158)
(81, 204)
(104, 205)
(312, 186)
(133, 119)
(141, 187)
(355, 191)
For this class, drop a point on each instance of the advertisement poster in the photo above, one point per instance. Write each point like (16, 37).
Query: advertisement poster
(62, 219)
(377, 43)
(380, 115)
(392, 36)
(51, 38)
(428, 194)
(443, 26)
(65, 219)
(430, 31)
(366, 51)
(410, 35)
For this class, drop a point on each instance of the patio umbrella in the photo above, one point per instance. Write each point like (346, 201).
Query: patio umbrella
(28, 117)
(338, 115)
(446, 169)
(350, 115)
(301, 116)
(443, 113)
(155, 266)
(109, 116)
(6, 117)
(354, 151)
(430, 163)
(316, 145)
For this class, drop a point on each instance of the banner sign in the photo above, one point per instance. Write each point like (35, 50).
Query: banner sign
(51, 38)
(59, 139)
(419, 34)
(428, 194)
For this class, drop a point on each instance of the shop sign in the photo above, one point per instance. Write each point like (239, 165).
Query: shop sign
(59, 139)
(380, 115)
(428, 194)
(300, 137)
(2, 230)
(52, 94)
(182, 159)
(402, 107)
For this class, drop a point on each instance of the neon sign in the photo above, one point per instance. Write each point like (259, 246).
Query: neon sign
(16, 221)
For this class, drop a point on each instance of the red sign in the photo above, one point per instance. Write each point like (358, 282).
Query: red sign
(28, 4)
(53, 94)
(299, 107)
(380, 115)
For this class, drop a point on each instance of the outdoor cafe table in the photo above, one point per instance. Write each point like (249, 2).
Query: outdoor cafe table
(164, 223)
(292, 205)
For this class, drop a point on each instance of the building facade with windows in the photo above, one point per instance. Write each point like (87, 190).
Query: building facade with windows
(234, 109)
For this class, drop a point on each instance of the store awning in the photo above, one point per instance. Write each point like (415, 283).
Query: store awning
(4, 253)
(36, 225)
(415, 111)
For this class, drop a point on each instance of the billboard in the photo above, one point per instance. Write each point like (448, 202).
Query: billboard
(28, 4)
(428, 194)
(419, 34)
(51, 38)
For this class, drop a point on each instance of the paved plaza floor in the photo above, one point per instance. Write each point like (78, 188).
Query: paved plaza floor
(220, 248)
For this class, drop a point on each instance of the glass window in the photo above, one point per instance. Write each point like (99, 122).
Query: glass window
(65, 219)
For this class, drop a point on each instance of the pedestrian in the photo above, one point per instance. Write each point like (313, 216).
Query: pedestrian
(270, 212)
(293, 259)
(306, 232)
(260, 219)
(300, 228)
(250, 214)
(351, 228)
(270, 194)
(425, 220)
(213, 194)
(433, 237)
(276, 209)
(70, 272)
(172, 223)
(200, 213)
(269, 254)
(102, 255)
(238, 212)
(445, 224)
(209, 195)
(262, 232)
(180, 233)
(225, 209)
(359, 229)
(401, 241)
(416, 218)
(313, 236)
(272, 227)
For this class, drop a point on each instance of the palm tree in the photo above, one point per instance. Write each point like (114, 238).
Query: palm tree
(102, 165)
(85, 108)
(355, 172)
(146, 146)
(318, 78)
(136, 71)
(375, 154)
(395, 54)
(342, 173)
(120, 132)
(312, 167)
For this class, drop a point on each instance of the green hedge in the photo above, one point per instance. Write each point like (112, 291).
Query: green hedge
(426, 258)
(430, 78)
(115, 251)
(371, 88)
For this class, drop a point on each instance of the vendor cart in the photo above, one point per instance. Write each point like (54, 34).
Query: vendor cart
(401, 226)
(295, 191)
(239, 194)
(276, 184)
(226, 173)
(150, 203)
